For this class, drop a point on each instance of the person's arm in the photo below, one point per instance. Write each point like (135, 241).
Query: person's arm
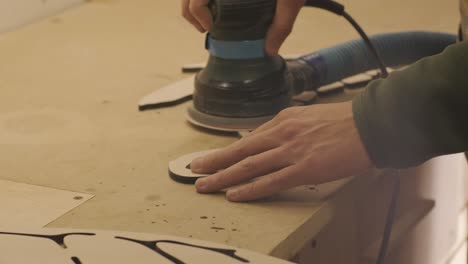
(403, 120)
(417, 113)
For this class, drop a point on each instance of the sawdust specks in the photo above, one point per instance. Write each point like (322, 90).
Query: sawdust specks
(203, 217)
(217, 228)
(76, 260)
(152, 198)
(78, 198)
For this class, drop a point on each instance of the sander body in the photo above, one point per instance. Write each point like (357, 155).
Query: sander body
(241, 86)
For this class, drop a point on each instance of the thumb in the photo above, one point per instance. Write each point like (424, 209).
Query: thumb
(283, 22)
(201, 13)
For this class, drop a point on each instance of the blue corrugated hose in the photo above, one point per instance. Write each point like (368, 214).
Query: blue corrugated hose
(396, 49)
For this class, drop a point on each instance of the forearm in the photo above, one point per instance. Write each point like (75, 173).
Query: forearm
(417, 113)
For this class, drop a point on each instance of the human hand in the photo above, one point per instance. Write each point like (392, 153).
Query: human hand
(286, 14)
(302, 145)
(198, 14)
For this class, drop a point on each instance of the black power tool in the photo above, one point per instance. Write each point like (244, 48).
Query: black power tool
(242, 87)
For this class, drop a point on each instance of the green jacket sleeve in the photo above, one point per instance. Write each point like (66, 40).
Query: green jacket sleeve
(417, 113)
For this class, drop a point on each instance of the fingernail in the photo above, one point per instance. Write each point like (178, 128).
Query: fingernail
(233, 195)
(201, 185)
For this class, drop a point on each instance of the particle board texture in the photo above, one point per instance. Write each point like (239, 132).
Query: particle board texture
(30, 206)
(15, 13)
(68, 120)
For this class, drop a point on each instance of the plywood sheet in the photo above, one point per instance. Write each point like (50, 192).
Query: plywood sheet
(24, 205)
(14, 13)
(88, 246)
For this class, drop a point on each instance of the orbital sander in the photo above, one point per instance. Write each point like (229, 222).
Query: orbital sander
(241, 86)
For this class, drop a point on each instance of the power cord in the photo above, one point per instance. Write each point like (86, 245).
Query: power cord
(339, 9)
(390, 219)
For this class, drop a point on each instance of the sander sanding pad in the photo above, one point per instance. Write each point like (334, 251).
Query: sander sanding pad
(180, 171)
(228, 124)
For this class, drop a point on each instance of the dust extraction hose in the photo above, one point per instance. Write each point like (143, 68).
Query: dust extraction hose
(335, 63)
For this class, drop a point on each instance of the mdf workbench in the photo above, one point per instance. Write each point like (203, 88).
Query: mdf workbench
(69, 89)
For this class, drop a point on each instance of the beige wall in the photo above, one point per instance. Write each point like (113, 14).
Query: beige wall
(14, 13)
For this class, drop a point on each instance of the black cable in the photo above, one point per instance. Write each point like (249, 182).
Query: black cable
(369, 44)
(390, 219)
(339, 9)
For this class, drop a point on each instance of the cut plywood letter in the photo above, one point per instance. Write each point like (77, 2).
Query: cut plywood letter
(357, 80)
(30, 206)
(305, 98)
(193, 67)
(172, 94)
(58, 246)
(243, 133)
(373, 73)
(180, 171)
(337, 87)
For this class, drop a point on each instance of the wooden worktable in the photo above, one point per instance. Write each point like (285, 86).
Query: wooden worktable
(69, 88)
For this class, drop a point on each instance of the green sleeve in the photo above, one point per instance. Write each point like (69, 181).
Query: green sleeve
(417, 113)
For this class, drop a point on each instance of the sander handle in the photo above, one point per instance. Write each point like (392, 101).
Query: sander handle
(241, 20)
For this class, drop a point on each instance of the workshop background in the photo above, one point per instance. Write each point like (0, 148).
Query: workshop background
(437, 238)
